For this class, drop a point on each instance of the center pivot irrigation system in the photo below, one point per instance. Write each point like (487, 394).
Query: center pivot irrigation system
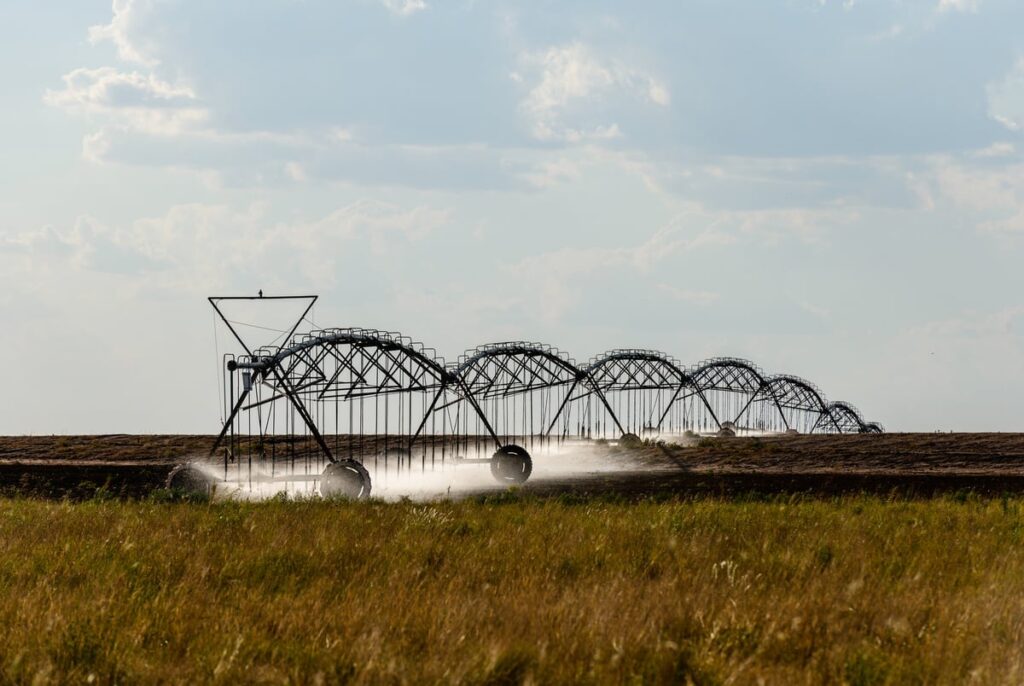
(328, 407)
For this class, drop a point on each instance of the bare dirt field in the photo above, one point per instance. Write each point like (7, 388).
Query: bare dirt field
(913, 464)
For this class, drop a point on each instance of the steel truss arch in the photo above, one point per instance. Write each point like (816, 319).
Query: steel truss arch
(500, 369)
(347, 365)
(847, 419)
(621, 374)
(491, 374)
(404, 364)
(634, 369)
(729, 387)
(796, 393)
(728, 374)
(796, 399)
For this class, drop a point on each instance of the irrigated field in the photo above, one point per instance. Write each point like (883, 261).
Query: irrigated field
(920, 464)
(515, 589)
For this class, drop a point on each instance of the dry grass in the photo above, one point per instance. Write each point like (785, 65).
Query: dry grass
(857, 590)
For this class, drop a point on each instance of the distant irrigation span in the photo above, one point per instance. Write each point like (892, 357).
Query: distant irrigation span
(333, 405)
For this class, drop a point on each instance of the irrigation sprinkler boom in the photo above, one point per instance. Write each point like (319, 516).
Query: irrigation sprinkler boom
(330, 407)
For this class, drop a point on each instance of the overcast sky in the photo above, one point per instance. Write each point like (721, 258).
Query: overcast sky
(831, 189)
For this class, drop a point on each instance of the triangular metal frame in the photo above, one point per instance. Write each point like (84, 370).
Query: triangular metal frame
(288, 390)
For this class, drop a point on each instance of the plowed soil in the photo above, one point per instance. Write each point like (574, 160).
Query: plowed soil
(907, 464)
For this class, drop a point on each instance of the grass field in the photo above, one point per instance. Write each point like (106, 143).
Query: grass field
(858, 590)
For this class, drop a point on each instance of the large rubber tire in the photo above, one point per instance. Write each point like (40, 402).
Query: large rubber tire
(630, 441)
(511, 464)
(187, 479)
(345, 479)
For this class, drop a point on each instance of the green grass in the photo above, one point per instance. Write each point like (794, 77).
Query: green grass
(854, 590)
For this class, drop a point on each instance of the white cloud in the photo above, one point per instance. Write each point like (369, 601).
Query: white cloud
(1006, 321)
(196, 247)
(815, 310)
(686, 295)
(990, 187)
(566, 73)
(262, 158)
(126, 14)
(46, 240)
(1006, 98)
(137, 101)
(340, 135)
(980, 188)
(145, 120)
(572, 73)
(1011, 224)
(891, 33)
(959, 5)
(555, 281)
(555, 277)
(775, 225)
(1000, 149)
(658, 92)
(550, 173)
(295, 171)
(404, 8)
(95, 147)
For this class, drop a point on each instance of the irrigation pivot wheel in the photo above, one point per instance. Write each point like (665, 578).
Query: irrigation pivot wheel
(189, 480)
(629, 440)
(345, 479)
(511, 464)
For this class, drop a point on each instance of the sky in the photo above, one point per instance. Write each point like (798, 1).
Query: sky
(830, 189)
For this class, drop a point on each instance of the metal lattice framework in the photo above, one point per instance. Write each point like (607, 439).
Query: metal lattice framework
(847, 419)
(639, 389)
(522, 388)
(801, 405)
(503, 369)
(729, 387)
(379, 398)
(387, 384)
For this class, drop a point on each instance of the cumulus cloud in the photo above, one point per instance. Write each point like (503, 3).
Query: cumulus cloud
(550, 173)
(980, 188)
(196, 246)
(404, 8)
(555, 282)
(959, 5)
(46, 240)
(1006, 321)
(988, 185)
(890, 33)
(569, 74)
(263, 158)
(126, 15)
(137, 101)
(1006, 98)
(998, 149)
(144, 119)
(557, 278)
(1013, 223)
(687, 295)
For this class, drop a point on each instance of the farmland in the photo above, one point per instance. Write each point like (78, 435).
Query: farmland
(515, 589)
(859, 560)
